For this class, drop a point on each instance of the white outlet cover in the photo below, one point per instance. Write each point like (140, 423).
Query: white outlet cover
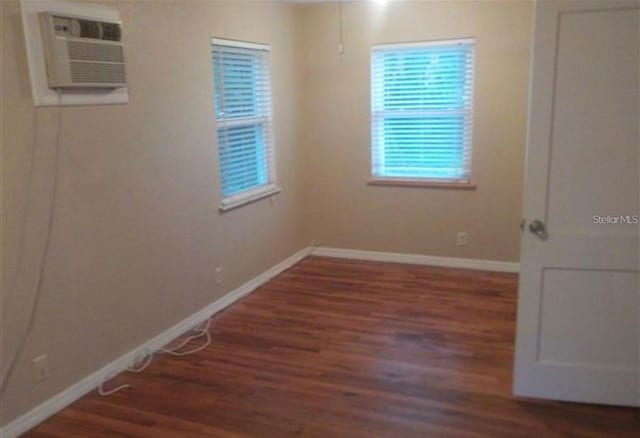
(42, 94)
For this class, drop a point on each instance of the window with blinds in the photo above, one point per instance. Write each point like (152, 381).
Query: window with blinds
(421, 105)
(243, 116)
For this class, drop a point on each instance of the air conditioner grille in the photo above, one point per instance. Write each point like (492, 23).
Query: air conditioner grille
(97, 72)
(89, 29)
(111, 31)
(95, 52)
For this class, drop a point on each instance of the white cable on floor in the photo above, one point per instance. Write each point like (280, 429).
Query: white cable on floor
(45, 251)
(137, 367)
(142, 364)
(104, 392)
(199, 333)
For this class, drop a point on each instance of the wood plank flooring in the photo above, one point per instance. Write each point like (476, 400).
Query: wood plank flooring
(339, 348)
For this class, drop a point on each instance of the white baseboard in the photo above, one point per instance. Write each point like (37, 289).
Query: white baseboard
(418, 259)
(43, 411)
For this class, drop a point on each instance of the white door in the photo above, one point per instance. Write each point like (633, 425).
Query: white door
(578, 332)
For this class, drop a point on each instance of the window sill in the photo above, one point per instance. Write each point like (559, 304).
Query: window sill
(251, 196)
(435, 184)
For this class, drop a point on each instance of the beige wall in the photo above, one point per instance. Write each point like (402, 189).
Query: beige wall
(137, 232)
(341, 210)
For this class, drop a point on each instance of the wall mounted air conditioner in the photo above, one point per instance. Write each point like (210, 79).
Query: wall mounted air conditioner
(82, 52)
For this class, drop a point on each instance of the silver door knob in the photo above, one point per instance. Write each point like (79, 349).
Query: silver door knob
(538, 228)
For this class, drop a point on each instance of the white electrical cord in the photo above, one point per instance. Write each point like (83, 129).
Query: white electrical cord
(141, 365)
(137, 367)
(200, 332)
(45, 251)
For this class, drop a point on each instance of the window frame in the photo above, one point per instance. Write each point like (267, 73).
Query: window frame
(377, 116)
(270, 188)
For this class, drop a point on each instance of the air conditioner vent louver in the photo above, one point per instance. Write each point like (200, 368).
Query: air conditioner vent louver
(82, 51)
(95, 72)
(89, 29)
(111, 31)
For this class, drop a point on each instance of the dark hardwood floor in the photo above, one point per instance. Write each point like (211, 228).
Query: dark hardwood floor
(338, 348)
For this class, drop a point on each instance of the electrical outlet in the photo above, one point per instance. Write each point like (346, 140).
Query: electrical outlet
(461, 238)
(41, 368)
(218, 275)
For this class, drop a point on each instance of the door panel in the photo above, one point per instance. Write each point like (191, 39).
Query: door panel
(579, 301)
(595, 116)
(573, 334)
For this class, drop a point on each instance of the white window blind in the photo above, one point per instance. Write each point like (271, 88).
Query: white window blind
(422, 99)
(243, 116)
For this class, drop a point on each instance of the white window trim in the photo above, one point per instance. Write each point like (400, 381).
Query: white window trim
(426, 181)
(249, 196)
(270, 189)
(241, 44)
(461, 41)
